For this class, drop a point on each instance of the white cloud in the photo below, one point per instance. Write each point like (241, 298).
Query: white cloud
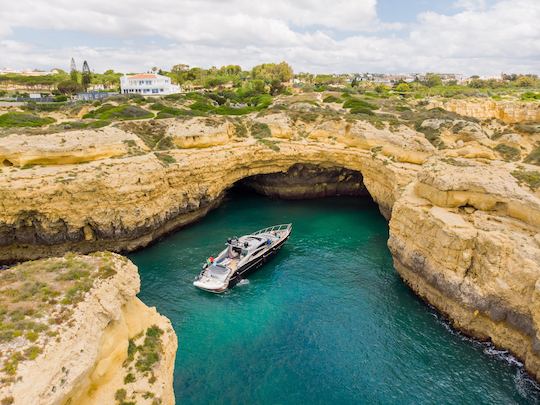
(311, 34)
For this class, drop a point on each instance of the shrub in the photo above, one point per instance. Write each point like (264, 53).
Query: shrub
(361, 110)
(170, 112)
(509, 153)
(355, 103)
(120, 394)
(528, 128)
(60, 98)
(32, 106)
(19, 119)
(260, 130)
(530, 96)
(332, 99)
(534, 156)
(129, 378)
(201, 106)
(122, 112)
(32, 352)
(85, 124)
(150, 350)
(165, 158)
(531, 178)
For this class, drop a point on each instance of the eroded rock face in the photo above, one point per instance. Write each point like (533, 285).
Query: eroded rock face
(309, 181)
(485, 108)
(464, 229)
(127, 202)
(464, 238)
(80, 353)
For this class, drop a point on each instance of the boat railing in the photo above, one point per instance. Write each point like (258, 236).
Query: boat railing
(282, 227)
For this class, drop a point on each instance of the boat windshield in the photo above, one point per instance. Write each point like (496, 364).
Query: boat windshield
(218, 272)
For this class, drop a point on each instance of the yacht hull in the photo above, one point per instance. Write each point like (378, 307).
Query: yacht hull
(252, 266)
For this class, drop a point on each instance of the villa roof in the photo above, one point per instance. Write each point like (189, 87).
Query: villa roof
(144, 76)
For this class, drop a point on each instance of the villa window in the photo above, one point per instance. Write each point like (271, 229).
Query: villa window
(154, 91)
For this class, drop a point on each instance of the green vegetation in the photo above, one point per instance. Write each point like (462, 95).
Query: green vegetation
(165, 158)
(150, 351)
(358, 106)
(129, 378)
(85, 124)
(37, 295)
(332, 99)
(19, 119)
(531, 178)
(152, 133)
(122, 112)
(528, 128)
(120, 394)
(534, 156)
(509, 153)
(23, 80)
(69, 87)
(260, 130)
(46, 107)
(530, 96)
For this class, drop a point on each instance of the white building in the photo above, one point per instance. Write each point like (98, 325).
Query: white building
(148, 84)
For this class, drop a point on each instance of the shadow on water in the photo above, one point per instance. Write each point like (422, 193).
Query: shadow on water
(327, 320)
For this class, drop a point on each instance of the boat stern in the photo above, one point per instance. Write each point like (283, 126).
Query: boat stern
(210, 285)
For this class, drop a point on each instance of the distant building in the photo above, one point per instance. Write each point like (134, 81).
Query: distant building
(28, 72)
(94, 95)
(147, 84)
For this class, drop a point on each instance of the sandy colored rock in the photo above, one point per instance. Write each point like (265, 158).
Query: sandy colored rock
(463, 231)
(486, 108)
(83, 357)
(65, 147)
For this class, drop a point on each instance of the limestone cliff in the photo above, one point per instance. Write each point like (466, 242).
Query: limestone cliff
(486, 108)
(462, 194)
(75, 333)
(61, 207)
(465, 237)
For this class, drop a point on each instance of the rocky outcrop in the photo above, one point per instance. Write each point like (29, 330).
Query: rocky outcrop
(466, 238)
(65, 148)
(127, 202)
(509, 112)
(87, 331)
(465, 218)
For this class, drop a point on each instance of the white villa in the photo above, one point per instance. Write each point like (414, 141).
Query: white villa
(148, 84)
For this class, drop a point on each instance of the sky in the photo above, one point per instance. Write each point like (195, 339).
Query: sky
(484, 37)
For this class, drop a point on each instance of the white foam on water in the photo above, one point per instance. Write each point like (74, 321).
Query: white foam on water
(526, 386)
(243, 282)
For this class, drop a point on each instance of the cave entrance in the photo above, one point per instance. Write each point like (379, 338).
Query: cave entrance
(7, 163)
(304, 181)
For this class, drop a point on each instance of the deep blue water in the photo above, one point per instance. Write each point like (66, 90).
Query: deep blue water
(326, 321)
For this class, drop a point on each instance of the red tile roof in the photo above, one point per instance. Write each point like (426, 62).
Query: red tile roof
(143, 76)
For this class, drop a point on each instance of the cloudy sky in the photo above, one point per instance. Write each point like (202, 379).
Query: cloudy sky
(465, 36)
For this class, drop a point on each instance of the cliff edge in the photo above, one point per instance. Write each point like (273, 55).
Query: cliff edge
(74, 332)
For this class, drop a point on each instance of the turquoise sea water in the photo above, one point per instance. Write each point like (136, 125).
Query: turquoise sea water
(326, 321)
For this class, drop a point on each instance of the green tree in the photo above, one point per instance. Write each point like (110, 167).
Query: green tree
(86, 76)
(273, 71)
(526, 81)
(74, 75)
(69, 87)
(381, 88)
(403, 88)
(432, 80)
